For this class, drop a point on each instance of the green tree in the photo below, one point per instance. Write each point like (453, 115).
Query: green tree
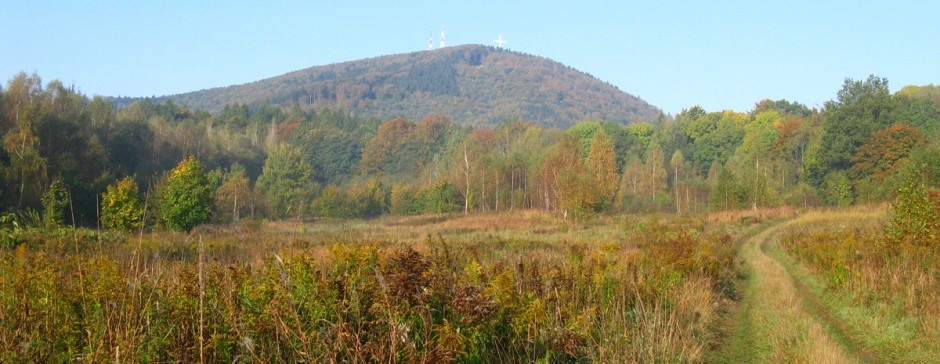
(370, 199)
(915, 218)
(642, 133)
(862, 107)
(919, 106)
(467, 159)
(837, 189)
(782, 107)
(53, 204)
(121, 206)
(287, 182)
(187, 196)
(333, 153)
(715, 137)
(585, 132)
(443, 197)
(27, 168)
(725, 193)
(333, 203)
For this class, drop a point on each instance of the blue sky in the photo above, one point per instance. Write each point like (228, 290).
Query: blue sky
(673, 54)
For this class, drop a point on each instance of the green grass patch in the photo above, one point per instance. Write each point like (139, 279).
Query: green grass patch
(878, 325)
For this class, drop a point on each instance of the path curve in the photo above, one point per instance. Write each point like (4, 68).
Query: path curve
(775, 323)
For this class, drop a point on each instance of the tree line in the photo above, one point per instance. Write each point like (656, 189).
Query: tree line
(71, 159)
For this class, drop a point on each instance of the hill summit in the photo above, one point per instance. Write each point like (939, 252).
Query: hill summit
(472, 84)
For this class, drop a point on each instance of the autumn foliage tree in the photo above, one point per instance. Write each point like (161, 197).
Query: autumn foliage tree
(384, 152)
(574, 189)
(887, 150)
(676, 163)
(602, 167)
(653, 178)
(234, 196)
(120, 206)
(630, 182)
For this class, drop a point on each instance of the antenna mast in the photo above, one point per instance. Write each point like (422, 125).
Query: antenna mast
(442, 37)
(430, 41)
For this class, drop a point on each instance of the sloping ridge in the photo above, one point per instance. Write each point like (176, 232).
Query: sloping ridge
(472, 84)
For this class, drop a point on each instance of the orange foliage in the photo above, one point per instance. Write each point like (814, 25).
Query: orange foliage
(887, 150)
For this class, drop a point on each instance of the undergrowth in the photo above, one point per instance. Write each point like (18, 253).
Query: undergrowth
(883, 285)
(240, 295)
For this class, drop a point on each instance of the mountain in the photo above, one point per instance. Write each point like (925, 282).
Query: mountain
(472, 84)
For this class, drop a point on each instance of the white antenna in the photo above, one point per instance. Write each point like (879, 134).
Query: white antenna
(442, 37)
(500, 41)
(430, 41)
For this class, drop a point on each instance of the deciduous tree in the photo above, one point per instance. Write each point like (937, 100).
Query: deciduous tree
(287, 182)
(676, 163)
(187, 197)
(602, 167)
(887, 150)
(54, 202)
(654, 172)
(27, 168)
(862, 107)
(234, 195)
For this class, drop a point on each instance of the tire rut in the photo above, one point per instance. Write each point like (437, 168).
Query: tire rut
(782, 320)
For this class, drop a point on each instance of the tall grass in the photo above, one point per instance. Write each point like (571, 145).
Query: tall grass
(624, 290)
(886, 291)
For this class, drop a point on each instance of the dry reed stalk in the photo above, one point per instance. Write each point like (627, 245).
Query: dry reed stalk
(202, 294)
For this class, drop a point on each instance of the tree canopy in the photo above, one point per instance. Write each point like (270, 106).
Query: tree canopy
(265, 160)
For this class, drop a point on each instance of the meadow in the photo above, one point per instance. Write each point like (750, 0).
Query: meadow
(523, 286)
(512, 287)
(881, 291)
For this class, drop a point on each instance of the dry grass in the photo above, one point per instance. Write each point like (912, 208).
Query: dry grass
(752, 216)
(522, 286)
(885, 294)
(782, 327)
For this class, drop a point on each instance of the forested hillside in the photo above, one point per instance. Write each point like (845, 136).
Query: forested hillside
(471, 84)
(60, 145)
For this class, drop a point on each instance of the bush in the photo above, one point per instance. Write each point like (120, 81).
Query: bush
(442, 198)
(53, 204)
(916, 215)
(333, 203)
(120, 206)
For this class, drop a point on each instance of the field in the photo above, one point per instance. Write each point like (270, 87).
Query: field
(753, 286)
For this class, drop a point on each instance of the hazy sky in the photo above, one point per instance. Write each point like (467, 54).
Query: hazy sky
(673, 54)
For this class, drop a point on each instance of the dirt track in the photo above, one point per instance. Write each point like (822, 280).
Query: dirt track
(779, 319)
